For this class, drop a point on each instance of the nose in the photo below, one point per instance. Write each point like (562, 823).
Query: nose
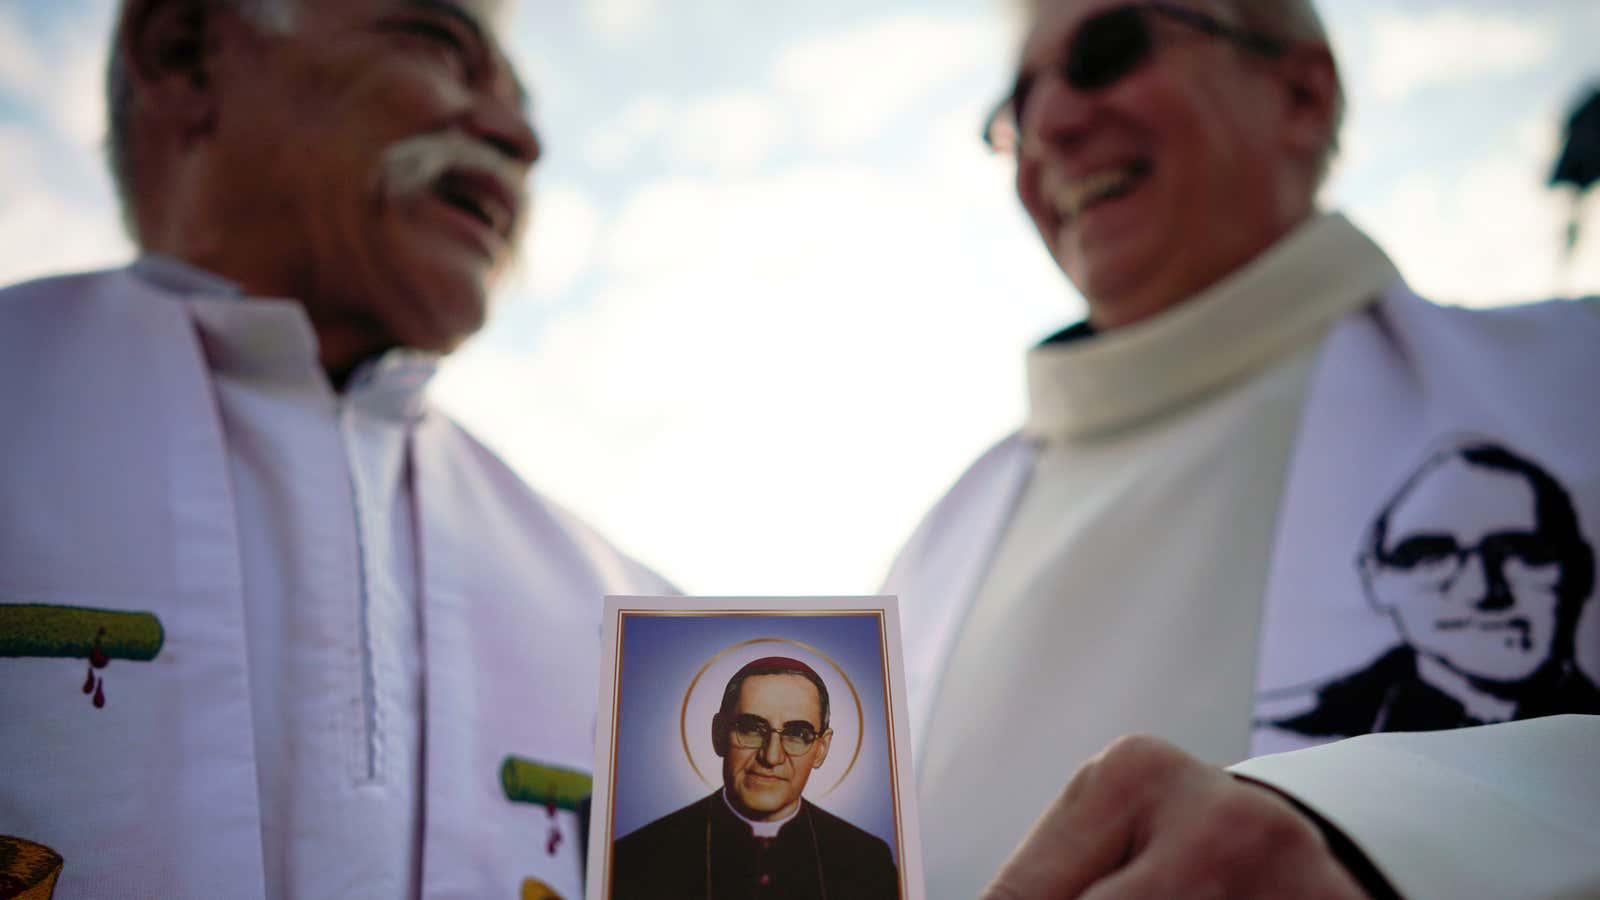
(1497, 594)
(1055, 114)
(1483, 584)
(502, 122)
(772, 754)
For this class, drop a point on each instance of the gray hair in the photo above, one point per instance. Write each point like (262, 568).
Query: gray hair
(122, 104)
(1297, 22)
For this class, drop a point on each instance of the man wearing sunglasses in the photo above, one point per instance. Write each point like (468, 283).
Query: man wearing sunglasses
(758, 836)
(1169, 535)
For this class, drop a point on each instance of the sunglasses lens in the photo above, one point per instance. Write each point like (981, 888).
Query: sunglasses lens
(1107, 47)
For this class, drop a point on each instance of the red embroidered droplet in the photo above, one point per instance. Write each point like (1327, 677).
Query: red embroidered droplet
(98, 657)
(554, 840)
(88, 682)
(100, 694)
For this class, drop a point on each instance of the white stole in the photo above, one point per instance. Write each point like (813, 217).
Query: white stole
(1462, 605)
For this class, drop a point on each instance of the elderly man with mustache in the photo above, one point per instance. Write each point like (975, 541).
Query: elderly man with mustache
(335, 647)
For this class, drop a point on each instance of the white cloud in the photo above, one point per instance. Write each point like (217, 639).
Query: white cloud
(61, 73)
(785, 372)
(76, 100)
(41, 233)
(731, 132)
(612, 144)
(20, 64)
(620, 21)
(783, 368)
(1491, 233)
(560, 242)
(1413, 52)
(854, 81)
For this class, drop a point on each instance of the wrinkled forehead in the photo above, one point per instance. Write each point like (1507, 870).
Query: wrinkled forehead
(1465, 501)
(784, 693)
(490, 18)
(493, 15)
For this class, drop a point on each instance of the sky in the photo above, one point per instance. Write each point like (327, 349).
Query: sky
(777, 293)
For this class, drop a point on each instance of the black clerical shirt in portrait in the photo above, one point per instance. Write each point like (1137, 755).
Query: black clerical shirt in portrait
(705, 851)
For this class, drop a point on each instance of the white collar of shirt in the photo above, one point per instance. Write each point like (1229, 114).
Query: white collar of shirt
(1280, 300)
(272, 339)
(767, 829)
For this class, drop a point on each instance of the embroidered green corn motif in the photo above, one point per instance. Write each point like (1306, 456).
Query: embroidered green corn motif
(526, 781)
(552, 787)
(98, 635)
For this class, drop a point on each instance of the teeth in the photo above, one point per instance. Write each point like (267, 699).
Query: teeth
(481, 201)
(487, 206)
(495, 213)
(1075, 196)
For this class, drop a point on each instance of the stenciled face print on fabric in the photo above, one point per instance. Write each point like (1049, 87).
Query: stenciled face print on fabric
(1482, 566)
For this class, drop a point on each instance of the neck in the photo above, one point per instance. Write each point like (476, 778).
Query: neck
(1479, 705)
(341, 350)
(344, 342)
(1181, 279)
(767, 826)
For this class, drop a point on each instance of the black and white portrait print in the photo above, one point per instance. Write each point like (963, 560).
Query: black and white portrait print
(1482, 566)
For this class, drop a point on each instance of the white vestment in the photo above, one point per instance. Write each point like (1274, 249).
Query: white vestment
(336, 647)
(1103, 572)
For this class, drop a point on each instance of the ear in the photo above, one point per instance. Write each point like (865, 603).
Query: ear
(1371, 570)
(719, 735)
(169, 47)
(1311, 100)
(824, 741)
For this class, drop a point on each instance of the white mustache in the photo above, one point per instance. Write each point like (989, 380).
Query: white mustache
(414, 164)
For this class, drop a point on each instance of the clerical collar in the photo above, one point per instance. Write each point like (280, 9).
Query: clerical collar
(179, 277)
(271, 338)
(767, 829)
(1283, 299)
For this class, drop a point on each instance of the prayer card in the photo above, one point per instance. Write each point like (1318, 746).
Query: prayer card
(753, 746)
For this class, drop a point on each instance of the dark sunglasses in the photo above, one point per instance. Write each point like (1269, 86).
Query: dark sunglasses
(1106, 47)
(1441, 553)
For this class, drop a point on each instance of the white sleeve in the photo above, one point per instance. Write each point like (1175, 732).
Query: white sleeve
(1497, 811)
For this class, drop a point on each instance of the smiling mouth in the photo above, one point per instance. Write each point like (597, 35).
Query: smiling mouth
(1072, 198)
(1463, 623)
(480, 196)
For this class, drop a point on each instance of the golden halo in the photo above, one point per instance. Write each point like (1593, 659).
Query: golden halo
(683, 712)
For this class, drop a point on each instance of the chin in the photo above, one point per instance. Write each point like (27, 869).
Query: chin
(1497, 665)
(440, 293)
(763, 803)
(1108, 286)
(1511, 672)
(432, 337)
(441, 317)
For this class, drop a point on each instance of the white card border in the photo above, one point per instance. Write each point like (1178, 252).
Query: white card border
(904, 789)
